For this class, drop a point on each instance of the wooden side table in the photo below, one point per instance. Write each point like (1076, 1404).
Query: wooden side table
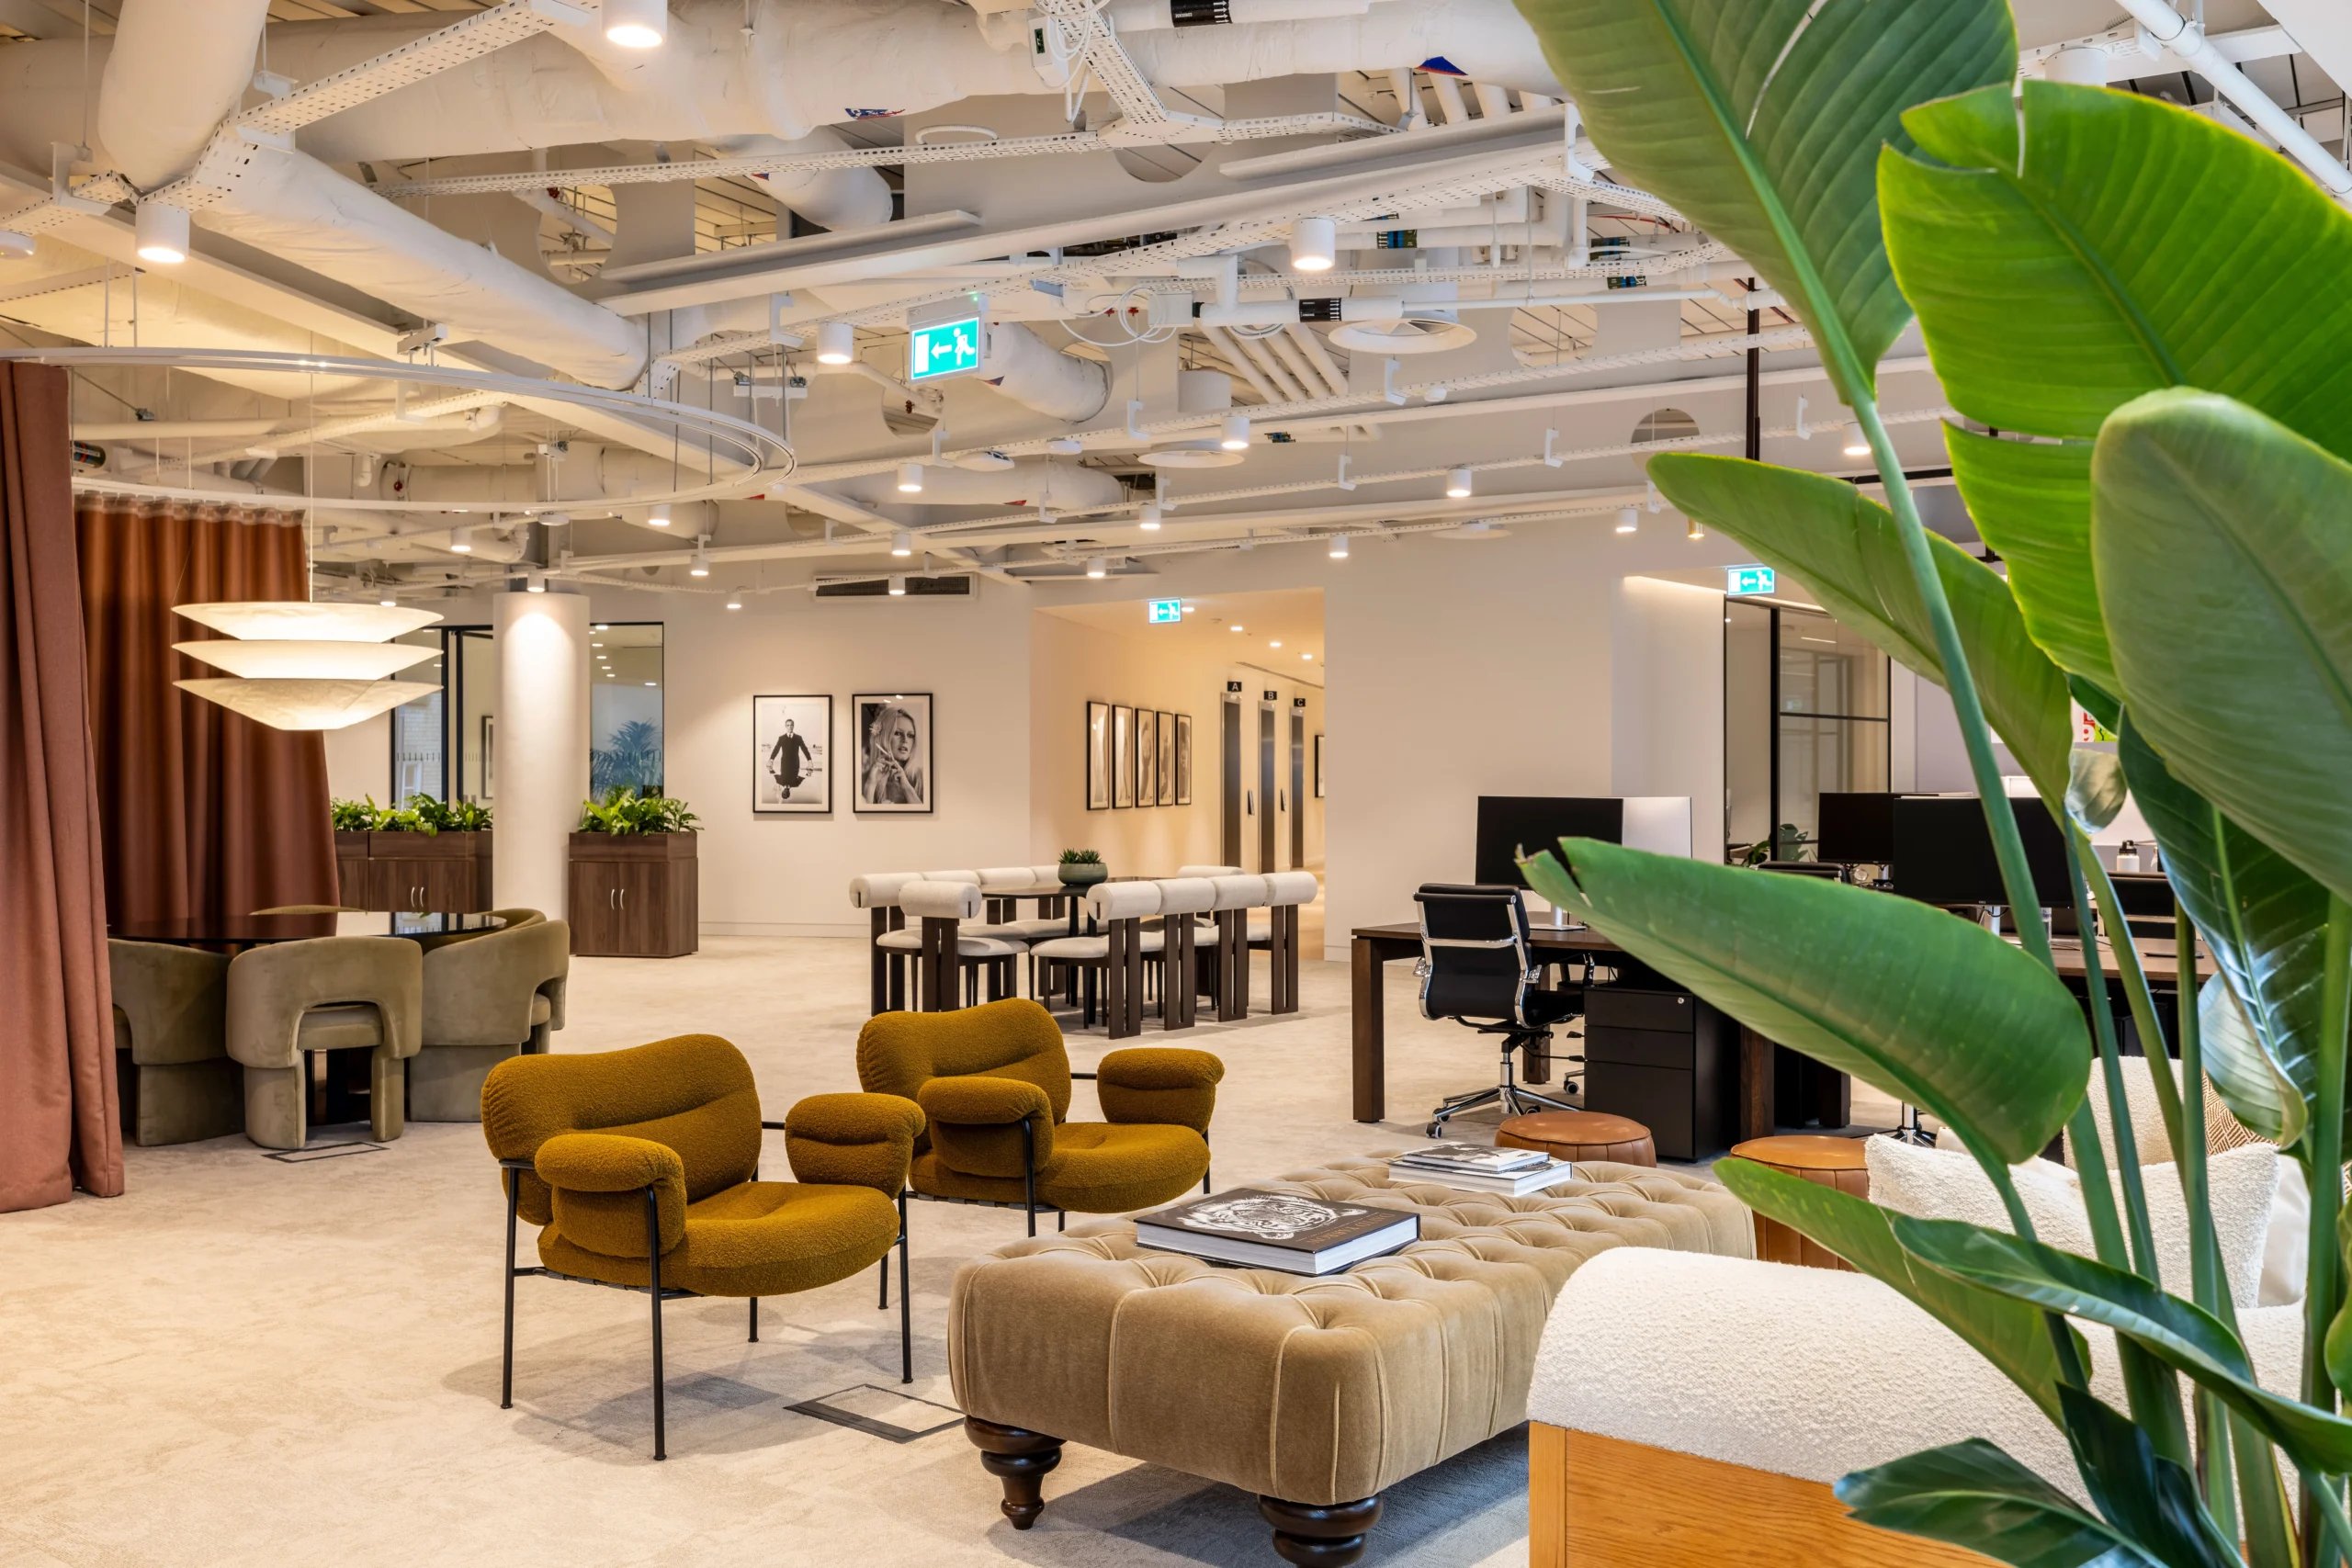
(1832, 1162)
(1580, 1135)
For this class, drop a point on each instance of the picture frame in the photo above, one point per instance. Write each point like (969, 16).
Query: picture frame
(792, 755)
(1122, 757)
(1098, 756)
(1165, 773)
(1184, 758)
(1147, 757)
(1318, 767)
(895, 757)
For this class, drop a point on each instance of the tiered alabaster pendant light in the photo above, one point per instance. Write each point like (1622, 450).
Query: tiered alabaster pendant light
(297, 666)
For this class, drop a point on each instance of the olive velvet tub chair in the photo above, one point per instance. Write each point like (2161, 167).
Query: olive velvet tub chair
(993, 1082)
(330, 993)
(171, 1045)
(497, 995)
(642, 1168)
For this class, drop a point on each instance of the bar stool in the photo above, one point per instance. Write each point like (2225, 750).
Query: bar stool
(943, 955)
(1285, 891)
(1118, 951)
(877, 893)
(1228, 960)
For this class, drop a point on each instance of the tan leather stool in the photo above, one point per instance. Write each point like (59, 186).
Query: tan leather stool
(1579, 1135)
(1832, 1162)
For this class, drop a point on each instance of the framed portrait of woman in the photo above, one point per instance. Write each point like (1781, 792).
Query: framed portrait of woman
(1147, 757)
(1122, 757)
(792, 756)
(1098, 756)
(1166, 774)
(895, 757)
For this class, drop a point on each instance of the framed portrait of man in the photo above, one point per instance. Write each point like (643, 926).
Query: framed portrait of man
(896, 773)
(792, 756)
(1098, 756)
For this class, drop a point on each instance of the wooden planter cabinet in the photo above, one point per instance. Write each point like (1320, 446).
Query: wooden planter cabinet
(415, 870)
(634, 895)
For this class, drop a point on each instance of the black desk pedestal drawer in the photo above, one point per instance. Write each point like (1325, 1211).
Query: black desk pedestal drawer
(1669, 1061)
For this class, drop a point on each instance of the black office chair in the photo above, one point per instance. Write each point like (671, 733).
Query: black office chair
(1478, 967)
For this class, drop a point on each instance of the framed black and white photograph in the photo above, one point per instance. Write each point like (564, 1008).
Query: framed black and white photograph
(1098, 756)
(1184, 758)
(1166, 772)
(1147, 757)
(792, 756)
(893, 753)
(1122, 757)
(1318, 767)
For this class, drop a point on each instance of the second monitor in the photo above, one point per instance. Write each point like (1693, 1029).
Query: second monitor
(1508, 824)
(1943, 851)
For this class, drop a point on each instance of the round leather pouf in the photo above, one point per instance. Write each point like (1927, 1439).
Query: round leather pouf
(1580, 1135)
(1832, 1162)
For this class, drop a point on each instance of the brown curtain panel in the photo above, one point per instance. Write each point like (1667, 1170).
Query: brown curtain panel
(206, 812)
(58, 1125)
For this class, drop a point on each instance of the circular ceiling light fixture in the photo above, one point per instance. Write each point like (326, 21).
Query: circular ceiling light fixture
(1314, 244)
(836, 343)
(700, 564)
(15, 245)
(1457, 482)
(734, 600)
(535, 582)
(1236, 436)
(1150, 520)
(461, 539)
(161, 234)
(1208, 453)
(659, 517)
(1339, 546)
(1477, 528)
(636, 24)
(902, 543)
(910, 479)
(1422, 331)
(898, 585)
(301, 666)
(1629, 519)
(1097, 566)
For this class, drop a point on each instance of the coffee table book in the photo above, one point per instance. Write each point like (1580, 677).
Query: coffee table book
(1474, 1158)
(1285, 1231)
(1510, 1184)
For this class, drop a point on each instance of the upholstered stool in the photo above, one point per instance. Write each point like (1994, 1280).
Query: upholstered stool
(1325, 1391)
(1580, 1135)
(1832, 1162)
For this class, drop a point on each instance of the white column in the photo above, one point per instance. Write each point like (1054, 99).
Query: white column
(542, 743)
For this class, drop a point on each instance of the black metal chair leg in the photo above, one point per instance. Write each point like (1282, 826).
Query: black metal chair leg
(506, 1360)
(654, 1261)
(755, 1320)
(885, 1301)
(906, 1300)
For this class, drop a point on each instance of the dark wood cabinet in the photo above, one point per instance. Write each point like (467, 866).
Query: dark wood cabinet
(443, 871)
(633, 895)
(1669, 1061)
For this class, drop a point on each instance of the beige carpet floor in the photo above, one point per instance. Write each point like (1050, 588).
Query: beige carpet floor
(243, 1361)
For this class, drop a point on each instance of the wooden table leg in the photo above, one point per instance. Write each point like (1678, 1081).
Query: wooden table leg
(1282, 958)
(1757, 1115)
(1371, 1033)
(1122, 980)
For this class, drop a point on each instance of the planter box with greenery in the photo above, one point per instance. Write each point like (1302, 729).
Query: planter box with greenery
(426, 854)
(2140, 314)
(635, 877)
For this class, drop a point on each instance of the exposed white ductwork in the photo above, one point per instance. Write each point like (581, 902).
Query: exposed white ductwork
(1030, 371)
(177, 68)
(2187, 41)
(1158, 15)
(1058, 487)
(837, 198)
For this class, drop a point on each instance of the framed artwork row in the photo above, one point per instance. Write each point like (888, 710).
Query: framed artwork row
(1136, 757)
(792, 754)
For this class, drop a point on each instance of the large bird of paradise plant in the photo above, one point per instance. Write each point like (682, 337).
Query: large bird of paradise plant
(2149, 310)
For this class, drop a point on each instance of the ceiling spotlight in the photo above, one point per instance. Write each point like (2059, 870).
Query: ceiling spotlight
(1097, 566)
(535, 582)
(602, 626)
(1457, 483)
(1276, 643)
(1858, 446)
(387, 602)
(1628, 520)
(700, 564)
(910, 479)
(160, 233)
(461, 539)
(1236, 432)
(555, 519)
(734, 600)
(1151, 518)
(1339, 546)
(1436, 394)
(659, 517)
(1314, 244)
(902, 543)
(898, 585)
(1306, 656)
(1237, 628)
(1694, 531)
(636, 24)
(836, 343)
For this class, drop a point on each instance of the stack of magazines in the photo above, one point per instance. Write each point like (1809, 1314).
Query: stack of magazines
(1289, 1231)
(1478, 1168)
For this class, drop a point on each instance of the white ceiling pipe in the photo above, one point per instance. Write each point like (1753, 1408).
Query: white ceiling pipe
(176, 69)
(1282, 312)
(571, 218)
(1494, 103)
(1449, 98)
(836, 199)
(1158, 15)
(1320, 358)
(1064, 487)
(1281, 346)
(1291, 390)
(2187, 41)
(1035, 375)
(1231, 352)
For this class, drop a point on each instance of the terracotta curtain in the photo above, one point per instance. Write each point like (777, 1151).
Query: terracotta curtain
(59, 1127)
(206, 811)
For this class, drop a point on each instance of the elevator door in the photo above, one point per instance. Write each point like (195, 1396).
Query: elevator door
(1231, 770)
(1266, 803)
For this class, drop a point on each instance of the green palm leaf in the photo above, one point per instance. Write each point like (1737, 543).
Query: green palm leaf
(1973, 1494)
(1928, 1010)
(2031, 501)
(1762, 121)
(1848, 549)
(2225, 570)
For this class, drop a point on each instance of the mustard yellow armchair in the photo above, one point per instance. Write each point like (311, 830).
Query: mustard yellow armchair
(642, 1168)
(994, 1085)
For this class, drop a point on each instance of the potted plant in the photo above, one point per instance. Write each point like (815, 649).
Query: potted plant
(634, 880)
(1082, 868)
(424, 853)
(2164, 471)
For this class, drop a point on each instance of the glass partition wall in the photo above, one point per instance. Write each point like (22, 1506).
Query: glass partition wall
(1805, 713)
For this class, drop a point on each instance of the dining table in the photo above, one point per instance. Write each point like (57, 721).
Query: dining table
(254, 930)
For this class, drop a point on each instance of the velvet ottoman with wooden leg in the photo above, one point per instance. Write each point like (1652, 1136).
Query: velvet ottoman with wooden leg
(1316, 1395)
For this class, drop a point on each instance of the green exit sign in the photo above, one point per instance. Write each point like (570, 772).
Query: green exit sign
(1747, 580)
(944, 348)
(1163, 612)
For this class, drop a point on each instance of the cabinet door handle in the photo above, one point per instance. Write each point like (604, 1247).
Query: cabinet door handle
(624, 897)
(612, 898)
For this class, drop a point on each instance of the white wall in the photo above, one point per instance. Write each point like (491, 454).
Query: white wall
(1666, 700)
(359, 760)
(1928, 754)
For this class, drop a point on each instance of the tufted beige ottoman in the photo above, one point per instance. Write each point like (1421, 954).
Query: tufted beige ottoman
(1316, 1394)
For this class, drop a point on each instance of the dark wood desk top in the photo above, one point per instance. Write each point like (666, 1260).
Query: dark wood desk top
(1578, 939)
(246, 930)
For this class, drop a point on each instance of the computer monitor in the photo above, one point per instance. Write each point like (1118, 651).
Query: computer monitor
(1856, 829)
(1510, 823)
(1943, 851)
